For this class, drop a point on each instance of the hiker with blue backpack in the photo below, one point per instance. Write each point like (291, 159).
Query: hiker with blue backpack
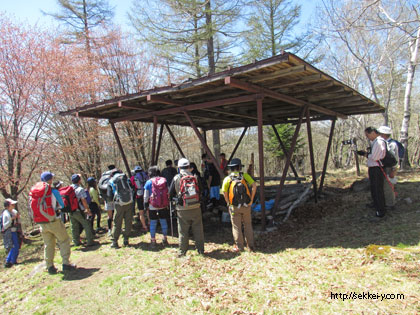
(138, 180)
(185, 190)
(394, 147)
(156, 201)
(120, 193)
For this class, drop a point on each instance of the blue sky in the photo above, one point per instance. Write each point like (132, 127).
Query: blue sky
(30, 10)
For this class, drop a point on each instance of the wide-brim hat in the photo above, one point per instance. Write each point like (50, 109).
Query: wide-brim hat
(235, 162)
(11, 201)
(385, 130)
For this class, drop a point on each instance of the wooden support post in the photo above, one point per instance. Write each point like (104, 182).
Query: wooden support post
(117, 138)
(327, 154)
(176, 142)
(261, 159)
(289, 157)
(283, 148)
(152, 159)
(204, 144)
(311, 153)
(237, 144)
(158, 145)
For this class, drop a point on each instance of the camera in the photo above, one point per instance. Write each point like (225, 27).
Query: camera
(347, 142)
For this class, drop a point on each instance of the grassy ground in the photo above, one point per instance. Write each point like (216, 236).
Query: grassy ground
(323, 249)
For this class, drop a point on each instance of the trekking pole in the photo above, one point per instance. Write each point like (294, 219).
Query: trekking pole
(170, 213)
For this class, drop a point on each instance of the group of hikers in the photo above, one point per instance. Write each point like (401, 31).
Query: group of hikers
(158, 195)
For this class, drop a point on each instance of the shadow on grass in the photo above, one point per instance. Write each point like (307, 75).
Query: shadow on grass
(79, 274)
(345, 221)
(222, 254)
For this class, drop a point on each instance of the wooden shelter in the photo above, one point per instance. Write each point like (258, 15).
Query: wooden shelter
(278, 90)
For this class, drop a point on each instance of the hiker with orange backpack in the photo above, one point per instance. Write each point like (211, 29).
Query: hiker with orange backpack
(156, 201)
(239, 199)
(185, 189)
(44, 202)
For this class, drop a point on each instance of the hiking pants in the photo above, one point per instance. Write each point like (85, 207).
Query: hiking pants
(53, 232)
(78, 220)
(122, 213)
(376, 178)
(14, 251)
(187, 218)
(238, 217)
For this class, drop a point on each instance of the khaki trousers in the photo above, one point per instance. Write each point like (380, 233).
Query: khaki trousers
(53, 232)
(187, 218)
(122, 213)
(78, 219)
(238, 217)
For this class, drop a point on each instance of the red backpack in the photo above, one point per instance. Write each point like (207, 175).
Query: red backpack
(159, 198)
(41, 203)
(189, 192)
(69, 198)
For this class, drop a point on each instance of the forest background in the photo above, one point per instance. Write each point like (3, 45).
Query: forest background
(372, 46)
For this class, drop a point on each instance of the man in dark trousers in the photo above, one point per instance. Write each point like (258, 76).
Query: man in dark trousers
(376, 172)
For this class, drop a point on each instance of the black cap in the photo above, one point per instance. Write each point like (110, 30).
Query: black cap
(235, 162)
(111, 167)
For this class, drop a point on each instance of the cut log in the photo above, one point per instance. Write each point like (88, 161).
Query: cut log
(302, 198)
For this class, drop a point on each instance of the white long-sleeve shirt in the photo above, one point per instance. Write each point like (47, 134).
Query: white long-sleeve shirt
(377, 153)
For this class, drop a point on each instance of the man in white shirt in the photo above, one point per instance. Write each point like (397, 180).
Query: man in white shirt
(376, 172)
(9, 232)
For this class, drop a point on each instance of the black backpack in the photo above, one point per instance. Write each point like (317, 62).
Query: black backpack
(389, 160)
(123, 194)
(103, 185)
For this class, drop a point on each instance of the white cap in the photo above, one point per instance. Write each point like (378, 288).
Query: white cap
(385, 130)
(183, 162)
(11, 201)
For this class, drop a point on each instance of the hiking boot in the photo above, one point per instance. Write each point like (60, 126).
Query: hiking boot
(115, 245)
(126, 243)
(69, 267)
(153, 243)
(52, 270)
(94, 243)
(165, 242)
(109, 233)
(8, 265)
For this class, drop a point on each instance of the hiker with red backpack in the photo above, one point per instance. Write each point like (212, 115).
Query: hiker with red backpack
(239, 199)
(185, 189)
(44, 203)
(156, 200)
(138, 181)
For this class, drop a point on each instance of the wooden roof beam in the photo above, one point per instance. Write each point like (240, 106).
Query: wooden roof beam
(278, 96)
(172, 110)
(279, 73)
(161, 99)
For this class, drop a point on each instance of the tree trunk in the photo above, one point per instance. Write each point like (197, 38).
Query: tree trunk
(414, 47)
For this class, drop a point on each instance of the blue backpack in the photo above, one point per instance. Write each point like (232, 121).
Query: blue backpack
(401, 148)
